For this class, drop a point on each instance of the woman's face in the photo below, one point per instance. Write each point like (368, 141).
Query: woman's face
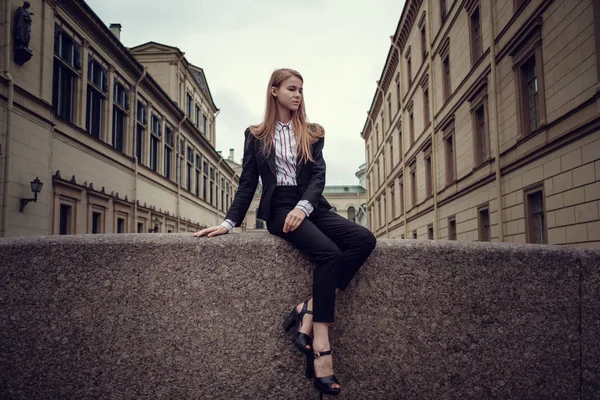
(289, 93)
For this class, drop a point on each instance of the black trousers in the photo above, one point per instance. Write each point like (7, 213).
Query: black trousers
(337, 246)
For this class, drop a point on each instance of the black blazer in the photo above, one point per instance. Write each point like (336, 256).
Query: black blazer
(310, 178)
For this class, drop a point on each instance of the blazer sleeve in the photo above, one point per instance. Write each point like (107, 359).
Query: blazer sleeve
(316, 183)
(248, 182)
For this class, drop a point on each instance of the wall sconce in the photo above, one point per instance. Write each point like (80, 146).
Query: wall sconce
(36, 187)
(156, 224)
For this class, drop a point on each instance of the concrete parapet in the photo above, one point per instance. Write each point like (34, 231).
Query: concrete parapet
(171, 316)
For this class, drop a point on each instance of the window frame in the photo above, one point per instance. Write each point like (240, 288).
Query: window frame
(530, 47)
(529, 232)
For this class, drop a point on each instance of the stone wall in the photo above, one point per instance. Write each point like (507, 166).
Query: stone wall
(170, 316)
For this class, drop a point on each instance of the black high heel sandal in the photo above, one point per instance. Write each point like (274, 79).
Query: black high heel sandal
(322, 384)
(301, 340)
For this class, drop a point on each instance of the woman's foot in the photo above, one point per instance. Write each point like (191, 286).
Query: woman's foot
(324, 364)
(306, 325)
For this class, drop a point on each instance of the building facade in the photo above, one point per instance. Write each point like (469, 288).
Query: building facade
(485, 123)
(121, 139)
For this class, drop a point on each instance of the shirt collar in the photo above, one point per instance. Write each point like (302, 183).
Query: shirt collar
(279, 124)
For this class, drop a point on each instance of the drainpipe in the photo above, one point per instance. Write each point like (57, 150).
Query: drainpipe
(178, 171)
(9, 110)
(135, 159)
(493, 97)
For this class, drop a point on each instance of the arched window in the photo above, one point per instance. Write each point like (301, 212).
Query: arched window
(260, 224)
(351, 214)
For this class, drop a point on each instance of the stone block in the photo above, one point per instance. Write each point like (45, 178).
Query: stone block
(565, 216)
(574, 196)
(586, 212)
(571, 160)
(584, 175)
(562, 182)
(171, 316)
(590, 324)
(592, 191)
(577, 233)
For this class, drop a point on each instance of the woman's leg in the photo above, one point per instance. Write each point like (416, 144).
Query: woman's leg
(325, 254)
(355, 241)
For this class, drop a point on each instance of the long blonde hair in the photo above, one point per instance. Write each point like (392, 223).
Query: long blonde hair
(306, 133)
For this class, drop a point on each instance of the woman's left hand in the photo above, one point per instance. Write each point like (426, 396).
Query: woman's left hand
(293, 220)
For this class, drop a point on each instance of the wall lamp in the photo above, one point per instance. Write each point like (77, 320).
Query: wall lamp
(156, 224)
(36, 187)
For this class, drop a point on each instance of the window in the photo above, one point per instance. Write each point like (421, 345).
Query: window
(96, 222)
(389, 108)
(428, 172)
(476, 39)
(227, 197)
(169, 144)
(426, 106)
(391, 142)
(140, 133)
(188, 105)
(452, 228)
(401, 194)
(535, 221)
(484, 224)
(67, 63)
(413, 183)
(443, 11)
(204, 124)
(179, 161)
(140, 227)
(393, 202)
(398, 95)
(481, 138)
(120, 112)
(414, 234)
(66, 218)
(446, 74)
(411, 127)
(204, 179)
(212, 183)
(449, 154)
(156, 133)
(96, 95)
(198, 173)
(527, 63)
(197, 119)
(430, 231)
(260, 224)
(221, 205)
(120, 225)
(424, 42)
(190, 166)
(408, 67)
(352, 214)
(377, 135)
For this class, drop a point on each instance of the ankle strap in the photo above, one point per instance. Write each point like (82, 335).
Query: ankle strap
(322, 353)
(305, 309)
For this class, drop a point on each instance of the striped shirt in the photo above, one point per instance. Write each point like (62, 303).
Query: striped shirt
(284, 142)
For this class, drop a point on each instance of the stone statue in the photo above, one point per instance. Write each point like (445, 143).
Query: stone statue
(23, 33)
(23, 25)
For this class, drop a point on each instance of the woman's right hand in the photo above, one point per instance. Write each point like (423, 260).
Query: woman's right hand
(212, 231)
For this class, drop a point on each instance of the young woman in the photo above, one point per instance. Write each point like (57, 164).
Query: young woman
(287, 153)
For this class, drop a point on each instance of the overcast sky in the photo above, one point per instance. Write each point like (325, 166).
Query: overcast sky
(339, 47)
